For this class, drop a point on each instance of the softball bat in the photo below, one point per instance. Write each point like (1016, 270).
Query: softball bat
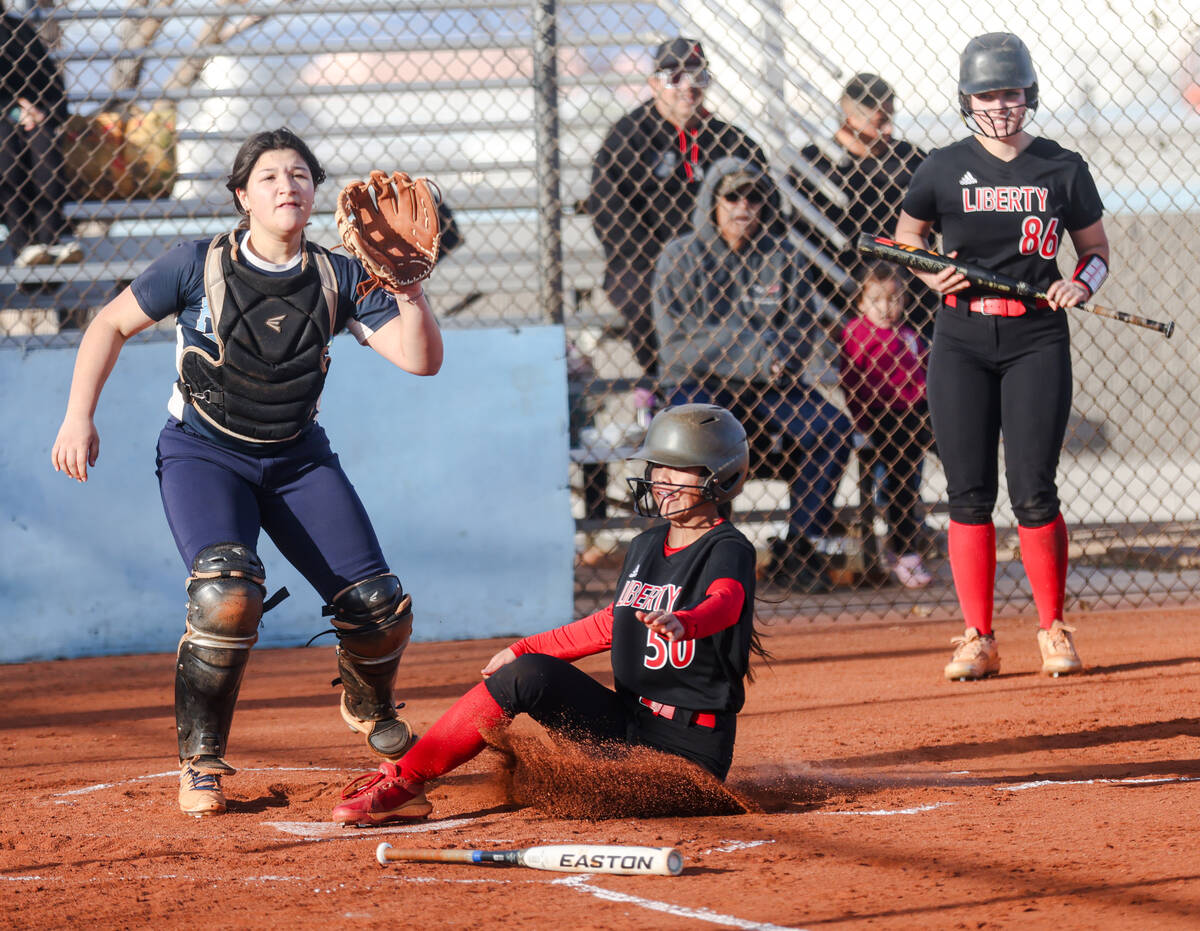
(925, 261)
(561, 858)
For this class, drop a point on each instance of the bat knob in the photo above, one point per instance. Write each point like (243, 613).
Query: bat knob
(1170, 329)
(381, 853)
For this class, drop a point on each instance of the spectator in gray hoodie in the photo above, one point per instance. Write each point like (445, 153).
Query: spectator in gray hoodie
(733, 310)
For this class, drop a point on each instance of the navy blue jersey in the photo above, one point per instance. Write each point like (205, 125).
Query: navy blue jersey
(1009, 217)
(174, 285)
(700, 675)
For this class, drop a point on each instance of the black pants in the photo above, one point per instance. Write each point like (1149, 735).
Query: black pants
(565, 699)
(31, 185)
(991, 375)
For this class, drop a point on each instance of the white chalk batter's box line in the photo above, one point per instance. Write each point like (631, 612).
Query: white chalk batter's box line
(1021, 787)
(174, 774)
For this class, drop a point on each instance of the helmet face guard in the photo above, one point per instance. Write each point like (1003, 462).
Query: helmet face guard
(703, 436)
(993, 62)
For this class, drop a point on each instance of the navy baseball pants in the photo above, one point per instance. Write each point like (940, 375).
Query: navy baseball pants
(298, 494)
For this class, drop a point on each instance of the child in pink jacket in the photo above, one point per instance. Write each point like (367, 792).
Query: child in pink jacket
(883, 376)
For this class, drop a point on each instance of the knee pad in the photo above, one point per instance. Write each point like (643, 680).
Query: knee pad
(372, 618)
(225, 597)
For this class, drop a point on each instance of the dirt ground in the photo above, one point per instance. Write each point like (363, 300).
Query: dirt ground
(888, 797)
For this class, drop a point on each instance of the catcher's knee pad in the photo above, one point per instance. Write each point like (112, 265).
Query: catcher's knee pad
(225, 597)
(225, 604)
(373, 621)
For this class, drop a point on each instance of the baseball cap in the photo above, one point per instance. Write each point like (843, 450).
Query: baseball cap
(736, 181)
(868, 89)
(679, 53)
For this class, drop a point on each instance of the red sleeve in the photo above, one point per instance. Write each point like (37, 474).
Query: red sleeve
(592, 634)
(721, 608)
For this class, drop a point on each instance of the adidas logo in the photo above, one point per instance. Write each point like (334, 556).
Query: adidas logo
(968, 178)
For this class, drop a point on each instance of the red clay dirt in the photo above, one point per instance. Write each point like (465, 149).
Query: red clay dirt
(880, 795)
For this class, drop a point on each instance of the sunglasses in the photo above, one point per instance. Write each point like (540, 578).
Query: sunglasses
(750, 197)
(699, 78)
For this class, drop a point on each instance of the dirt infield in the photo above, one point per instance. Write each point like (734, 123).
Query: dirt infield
(889, 797)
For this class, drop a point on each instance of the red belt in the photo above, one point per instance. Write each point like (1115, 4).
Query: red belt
(993, 306)
(700, 718)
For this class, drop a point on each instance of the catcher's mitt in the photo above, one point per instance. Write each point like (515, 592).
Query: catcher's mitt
(390, 224)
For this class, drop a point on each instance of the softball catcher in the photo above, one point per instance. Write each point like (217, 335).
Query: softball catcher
(242, 451)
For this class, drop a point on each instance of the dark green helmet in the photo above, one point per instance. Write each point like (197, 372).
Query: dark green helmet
(698, 435)
(992, 62)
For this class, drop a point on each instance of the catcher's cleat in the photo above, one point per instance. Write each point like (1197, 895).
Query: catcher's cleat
(1058, 650)
(975, 657)
(389, 738)
(381, 797)
(200, 792)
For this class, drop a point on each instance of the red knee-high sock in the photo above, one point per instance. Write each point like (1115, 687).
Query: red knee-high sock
(973, 564)
(454, 738)
(1044, 553)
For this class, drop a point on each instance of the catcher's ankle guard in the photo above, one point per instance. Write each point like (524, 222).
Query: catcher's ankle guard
(373, 622)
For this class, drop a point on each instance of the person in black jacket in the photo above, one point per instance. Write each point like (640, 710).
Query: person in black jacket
(31, 166)
(645, 178)
(873, 169)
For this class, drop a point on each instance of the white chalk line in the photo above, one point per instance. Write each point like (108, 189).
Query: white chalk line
(580, 884)
(174, 773)
(1140, 781)
(728, 846)
(884, 812)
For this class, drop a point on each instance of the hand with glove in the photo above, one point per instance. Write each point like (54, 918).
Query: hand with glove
(390, 224)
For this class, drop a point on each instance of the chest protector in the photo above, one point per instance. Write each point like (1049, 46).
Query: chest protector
(272, 335)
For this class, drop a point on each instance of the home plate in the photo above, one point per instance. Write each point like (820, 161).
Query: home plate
(325, 830)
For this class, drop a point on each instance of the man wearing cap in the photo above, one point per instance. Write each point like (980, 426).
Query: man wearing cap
(645, 178)
(873, 169)
(733, 307)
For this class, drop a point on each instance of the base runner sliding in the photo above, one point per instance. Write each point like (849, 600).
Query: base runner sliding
(1003, 199)
(680, 630)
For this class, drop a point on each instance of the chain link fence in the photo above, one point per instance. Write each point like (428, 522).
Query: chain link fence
(547, 127)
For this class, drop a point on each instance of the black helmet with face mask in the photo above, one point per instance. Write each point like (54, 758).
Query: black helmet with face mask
(994, 62)
(703, 436)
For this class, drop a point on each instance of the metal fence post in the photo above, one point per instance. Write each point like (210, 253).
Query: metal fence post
(550, 211)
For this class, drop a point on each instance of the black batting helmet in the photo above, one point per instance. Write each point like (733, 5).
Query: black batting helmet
(992, 62)
(706, 436)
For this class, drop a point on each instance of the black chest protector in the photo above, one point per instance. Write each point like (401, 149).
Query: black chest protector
(272, 335)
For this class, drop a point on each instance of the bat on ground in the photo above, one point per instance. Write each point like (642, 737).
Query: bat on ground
(561, 858)
(926, 261)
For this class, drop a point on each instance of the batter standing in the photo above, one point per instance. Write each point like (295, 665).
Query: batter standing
(680, 629)
(242, 452)
(1004, 199)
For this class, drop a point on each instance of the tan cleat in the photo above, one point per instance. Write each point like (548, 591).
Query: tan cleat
(1058, 650)
(200, 792)
(975, 657)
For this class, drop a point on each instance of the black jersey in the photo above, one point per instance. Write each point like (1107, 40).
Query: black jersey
(700, 675)
(1009, 217)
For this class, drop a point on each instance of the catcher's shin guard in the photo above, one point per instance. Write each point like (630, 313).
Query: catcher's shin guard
(225, 604)
(373, 621)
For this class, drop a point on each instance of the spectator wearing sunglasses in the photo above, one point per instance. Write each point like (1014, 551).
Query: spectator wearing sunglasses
(644, 184)
(733, 307)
